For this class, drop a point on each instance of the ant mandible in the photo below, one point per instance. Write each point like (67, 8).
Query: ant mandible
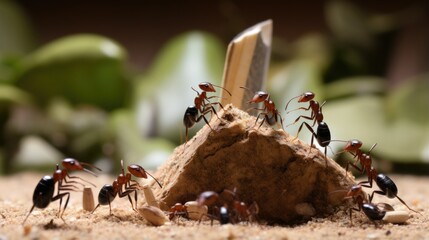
(201, 107)
(322, 134)
(269, 108)
(108, 192)
(44, 191)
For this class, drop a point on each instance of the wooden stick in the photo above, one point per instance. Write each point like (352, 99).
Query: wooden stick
(246, 64)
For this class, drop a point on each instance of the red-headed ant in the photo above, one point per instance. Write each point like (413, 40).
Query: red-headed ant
(201, 107)
(123, 186)
(353, 147)
(322, 134)
(269, 111)
(44, 191)
(227, 208)
(371, 210)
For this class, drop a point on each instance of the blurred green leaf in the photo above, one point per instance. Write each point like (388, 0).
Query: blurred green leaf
(355, 86)
(134, 148)
(84, 69)
(16, 35)
(12, 95)
(165, 92)
(410, 101)
(364, 118)
(348, 23)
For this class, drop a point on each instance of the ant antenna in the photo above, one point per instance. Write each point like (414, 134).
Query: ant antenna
(291, 101)
(222, 88)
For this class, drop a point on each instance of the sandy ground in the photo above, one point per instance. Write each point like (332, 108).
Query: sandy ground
(16, 194)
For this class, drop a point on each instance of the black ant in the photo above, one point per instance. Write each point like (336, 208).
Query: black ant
(202, 106)
(387, 187)
(372, 211)
(123, 186)
(44, 191)
(268, 109)
(322, 134)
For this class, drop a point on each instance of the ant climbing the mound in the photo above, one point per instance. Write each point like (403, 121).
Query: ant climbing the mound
(268, 109)
(123, 186)
(322, 134)
(354, 148)
(44, 191)
(202, 106)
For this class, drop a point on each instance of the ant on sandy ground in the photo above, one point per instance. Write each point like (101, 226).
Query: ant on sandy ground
(44, 191)
(123, 186)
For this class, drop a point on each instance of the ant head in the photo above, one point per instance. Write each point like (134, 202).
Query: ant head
(206, 86)
(207, 198)
(354, 191)
(71, 164)
(137, 171)
(307, 96)
(353, 145)
(259, 97)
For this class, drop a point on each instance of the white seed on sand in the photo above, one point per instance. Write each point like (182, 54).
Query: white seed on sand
(396, 216)
(195, 211)
(150, 198)
(153, 215)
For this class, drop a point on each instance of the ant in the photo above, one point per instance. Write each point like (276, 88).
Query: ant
(178, 210)
(353, 147)
(44, 191)
(269, 108)
(201, 107)
(123, 186)
(387, 187)
(322, 134)
(232, 210)
(371, 210)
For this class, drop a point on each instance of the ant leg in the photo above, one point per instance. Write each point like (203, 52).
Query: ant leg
(403, 202)
(28, 214)
(95, 208)
(60, 196)
(378, 192)
(301, 116)
(300, 108)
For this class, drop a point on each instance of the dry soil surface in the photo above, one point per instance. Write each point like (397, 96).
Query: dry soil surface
(16, 194)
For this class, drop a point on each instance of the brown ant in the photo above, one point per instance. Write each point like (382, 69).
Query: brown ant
(371, 210)
(232, 210)
(44, 191)
(316, 108)
(123, 186)
(354, 148)
(268, 109)
(178, 210)
(201, 107)
(322, 134)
